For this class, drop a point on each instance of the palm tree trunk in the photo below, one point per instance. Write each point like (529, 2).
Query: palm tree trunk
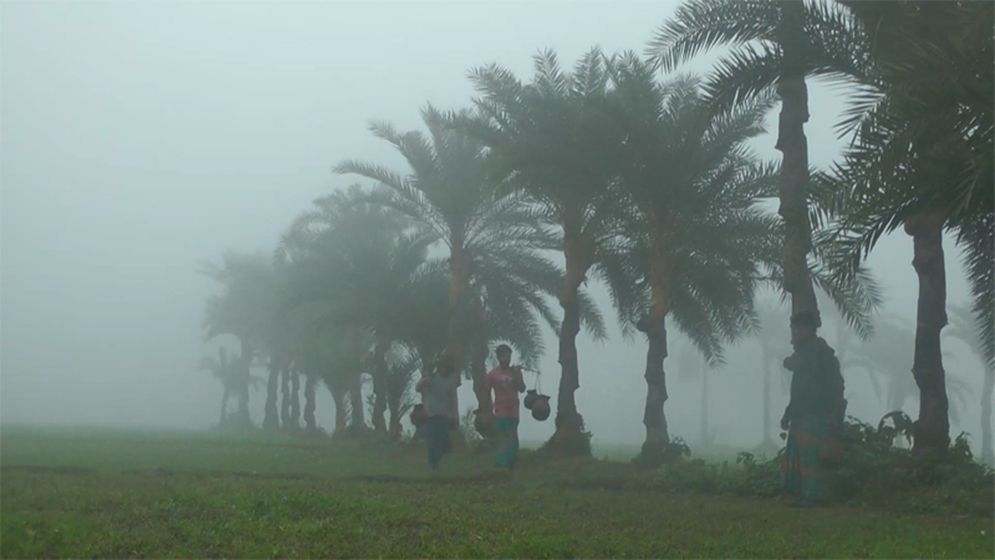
(394, 407)
(224, 408)
(338, 397)
(793, 145)
(478, 365)
(932, 429)
(309, 403)
(459, 281)
(244, 365)
(706, 438)
(295, 400)
(569, 437)
(986, 417)
(657, 435)
(654, 326)
(285, 400)
(478, 368)
(380, 385)
(767, 440)
(357, 405)
(270, 419)
(569, 422)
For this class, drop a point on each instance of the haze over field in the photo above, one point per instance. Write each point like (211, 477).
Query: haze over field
(138, 140)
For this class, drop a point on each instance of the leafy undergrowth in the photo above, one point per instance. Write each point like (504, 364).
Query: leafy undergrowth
(113, 494)
(874, 472)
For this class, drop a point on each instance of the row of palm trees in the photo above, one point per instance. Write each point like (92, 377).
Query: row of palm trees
(921, 152)
(648, 185)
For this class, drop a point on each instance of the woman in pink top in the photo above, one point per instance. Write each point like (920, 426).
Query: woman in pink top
(507, 383)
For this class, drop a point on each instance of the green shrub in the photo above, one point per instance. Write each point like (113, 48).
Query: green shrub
(874, 472)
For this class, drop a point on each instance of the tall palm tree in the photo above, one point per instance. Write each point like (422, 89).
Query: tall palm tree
(554, 140)
(497, 278)
(700, 244)
(922, 158)
(447, 192)
(775, 45)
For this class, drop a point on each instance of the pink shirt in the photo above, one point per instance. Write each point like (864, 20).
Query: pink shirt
(504, 384)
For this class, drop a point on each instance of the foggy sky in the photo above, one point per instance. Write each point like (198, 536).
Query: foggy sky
(140, 139)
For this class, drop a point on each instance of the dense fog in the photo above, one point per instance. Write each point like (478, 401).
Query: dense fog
(140, 140)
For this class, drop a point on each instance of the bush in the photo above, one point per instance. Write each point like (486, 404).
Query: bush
(874, 472)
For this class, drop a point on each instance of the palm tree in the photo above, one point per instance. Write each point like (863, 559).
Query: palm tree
(497, 279)
(227, 372)
(277, 344)
(775, 44)
(922, 158)
(358, 260)
(554, 140)
(700, 243)
(245, 309)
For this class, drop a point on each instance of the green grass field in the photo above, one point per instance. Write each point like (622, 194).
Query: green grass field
(87, 493)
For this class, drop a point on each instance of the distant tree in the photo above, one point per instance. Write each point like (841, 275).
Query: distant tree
(245, 308)
(354, 264)
(882, 356)
(228, 372)
(964, 328)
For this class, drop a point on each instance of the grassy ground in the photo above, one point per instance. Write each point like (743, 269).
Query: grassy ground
(111, 494)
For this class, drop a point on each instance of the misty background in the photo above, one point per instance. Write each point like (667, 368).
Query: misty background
(138, 140)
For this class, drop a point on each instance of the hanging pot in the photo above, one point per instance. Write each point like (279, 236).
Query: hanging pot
(541, 408)
(530, 398)
(418, 415)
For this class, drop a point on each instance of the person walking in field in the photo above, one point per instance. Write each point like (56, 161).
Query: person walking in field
(814, 415)
(438, 392)
(507, 383)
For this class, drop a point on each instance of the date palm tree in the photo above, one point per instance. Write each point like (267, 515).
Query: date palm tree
(498, 280)
(358, 260)
(244, 309)
(555, 141)
(922, 159)
(776, 45)
(700, 244)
